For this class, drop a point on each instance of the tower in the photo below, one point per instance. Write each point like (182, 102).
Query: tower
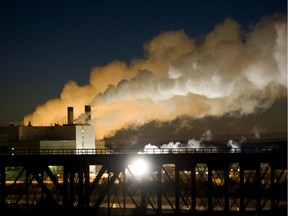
(87, 114)
(70, 115)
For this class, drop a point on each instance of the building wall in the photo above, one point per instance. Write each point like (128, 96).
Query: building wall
(66, 136)
(65, 132)
(57, 144)
(10, 131)
(27, 133)
(24, 145)
(85, 137)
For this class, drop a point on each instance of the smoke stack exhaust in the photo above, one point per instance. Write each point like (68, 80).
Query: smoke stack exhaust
(70, 115)
(87, 114)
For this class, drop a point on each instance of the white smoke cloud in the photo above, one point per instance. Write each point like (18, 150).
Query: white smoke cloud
(228, 72)
(234, 144)
(257, 131)
(178, 147)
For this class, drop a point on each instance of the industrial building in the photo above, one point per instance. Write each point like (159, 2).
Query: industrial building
(67, 136)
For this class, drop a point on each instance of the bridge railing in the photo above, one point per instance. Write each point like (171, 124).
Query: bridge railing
(138, 151)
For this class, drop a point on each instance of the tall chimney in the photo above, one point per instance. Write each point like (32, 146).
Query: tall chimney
(87, 114)
(70, 115)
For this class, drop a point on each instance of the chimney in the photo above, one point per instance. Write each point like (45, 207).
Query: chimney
(87, 114)
(70, 115)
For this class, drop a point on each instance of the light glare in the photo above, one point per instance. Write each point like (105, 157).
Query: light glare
(139, 167)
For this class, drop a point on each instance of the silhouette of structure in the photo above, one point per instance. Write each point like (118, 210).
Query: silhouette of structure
(212, 181)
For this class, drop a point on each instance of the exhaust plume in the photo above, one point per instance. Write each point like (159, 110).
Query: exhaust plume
(229, 72)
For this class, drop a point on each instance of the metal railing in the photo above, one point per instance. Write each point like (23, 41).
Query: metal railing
(138, 151)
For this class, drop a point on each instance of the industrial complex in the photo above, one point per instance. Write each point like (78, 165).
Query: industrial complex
(67, 136)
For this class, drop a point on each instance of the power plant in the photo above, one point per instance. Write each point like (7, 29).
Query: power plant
(67, 136)
(61, 169)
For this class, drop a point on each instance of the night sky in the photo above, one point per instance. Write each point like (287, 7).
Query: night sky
(46, 44)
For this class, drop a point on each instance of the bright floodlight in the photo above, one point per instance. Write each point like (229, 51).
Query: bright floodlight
(139, 167)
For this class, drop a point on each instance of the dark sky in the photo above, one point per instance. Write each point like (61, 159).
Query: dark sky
(44, 44)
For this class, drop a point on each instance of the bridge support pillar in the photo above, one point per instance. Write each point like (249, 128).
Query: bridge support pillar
(177, 192)
(272, 193)
(226, 188)
(159, 195)
(87, 185)
(258, 189)
(193, 188)
(210, 189)
(242, 189)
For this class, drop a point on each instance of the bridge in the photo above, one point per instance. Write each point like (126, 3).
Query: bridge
(199, 181)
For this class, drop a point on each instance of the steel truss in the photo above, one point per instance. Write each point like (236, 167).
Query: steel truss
(183, 187)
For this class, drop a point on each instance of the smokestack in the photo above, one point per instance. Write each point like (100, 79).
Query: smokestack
(87, 114)
(70, 115)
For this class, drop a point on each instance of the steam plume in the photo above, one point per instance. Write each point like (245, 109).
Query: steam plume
(230, 71)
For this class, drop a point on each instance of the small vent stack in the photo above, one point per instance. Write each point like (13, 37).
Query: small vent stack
(70, 116)
(87, 114)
